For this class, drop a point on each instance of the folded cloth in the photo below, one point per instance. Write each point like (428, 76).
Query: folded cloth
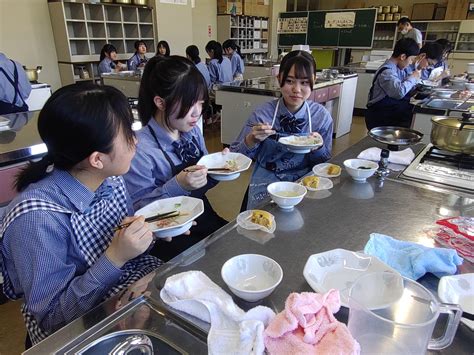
(413, 260)
(308, 326)
(232, 330)
(403, 157)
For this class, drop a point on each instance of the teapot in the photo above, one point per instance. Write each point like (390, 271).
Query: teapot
(32, 74)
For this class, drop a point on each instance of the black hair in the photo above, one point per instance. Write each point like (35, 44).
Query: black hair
(107, 48)
(433, 51)
(176, 80)
(304, 63)
(216, 49)
(138, 44)
(447, 45)
(165, 45)
(230, 43)
(192, 52)
(407, 46)
(403, 21)
(76, 121)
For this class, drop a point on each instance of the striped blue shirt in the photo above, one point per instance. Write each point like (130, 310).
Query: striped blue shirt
(106, 66)
(43, 260)
(150, 176)
(220, 72)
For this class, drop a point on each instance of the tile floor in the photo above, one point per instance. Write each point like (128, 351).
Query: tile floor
(226, 199)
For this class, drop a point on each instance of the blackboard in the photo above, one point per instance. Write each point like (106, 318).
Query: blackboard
(287, 40)
(359, 36)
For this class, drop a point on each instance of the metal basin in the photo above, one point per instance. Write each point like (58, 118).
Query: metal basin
(444, 104)
(467, 106)
(131, 342)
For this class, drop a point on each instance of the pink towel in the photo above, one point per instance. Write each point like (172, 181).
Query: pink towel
(308, 326)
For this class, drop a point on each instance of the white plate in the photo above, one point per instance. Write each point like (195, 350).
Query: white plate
(338, 269)
(190, 206)
(458, 289)
(324, 184)
(322, 170)
(429, 83)
(298, 144)
(219, 160)
(4, 121)
(243, 220)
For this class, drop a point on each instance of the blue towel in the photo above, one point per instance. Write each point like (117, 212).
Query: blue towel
(413, 260)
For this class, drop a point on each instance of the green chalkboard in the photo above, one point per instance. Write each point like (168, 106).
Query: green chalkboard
(359, 36)
(287, 40)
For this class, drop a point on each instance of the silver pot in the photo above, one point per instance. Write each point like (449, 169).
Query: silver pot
(140, 2)
(32, 74)
(453, 134)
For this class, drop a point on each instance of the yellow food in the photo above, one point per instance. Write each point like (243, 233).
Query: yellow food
(262, 218)
(287, 194)
(334, 169)
(311, 181)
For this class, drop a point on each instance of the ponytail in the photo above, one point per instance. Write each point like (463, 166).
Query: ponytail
(33, 172)
(230, 43)
(216, 49)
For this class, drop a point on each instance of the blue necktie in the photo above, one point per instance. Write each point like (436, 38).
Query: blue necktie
(104, 192)
(291, 124)
(186, 150)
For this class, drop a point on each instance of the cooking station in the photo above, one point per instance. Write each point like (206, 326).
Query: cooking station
(342, 217)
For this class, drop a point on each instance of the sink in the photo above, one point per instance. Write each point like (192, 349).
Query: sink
(444, 104)
(131, 342)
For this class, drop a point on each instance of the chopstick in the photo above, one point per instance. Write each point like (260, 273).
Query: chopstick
(154, 218)
(188, 170)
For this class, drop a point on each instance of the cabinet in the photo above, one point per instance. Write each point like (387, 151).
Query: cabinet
(81, 29)
(465, 42)
(249, 32)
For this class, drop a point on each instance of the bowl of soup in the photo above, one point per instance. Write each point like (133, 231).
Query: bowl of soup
(286, 194)
(360, 169)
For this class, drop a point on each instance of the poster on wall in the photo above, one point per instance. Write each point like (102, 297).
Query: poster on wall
(292, 25)
(339, 20)
(175, 2)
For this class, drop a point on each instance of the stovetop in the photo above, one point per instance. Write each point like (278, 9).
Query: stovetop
(442, 168)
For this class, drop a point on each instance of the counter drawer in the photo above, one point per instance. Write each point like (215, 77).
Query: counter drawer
(334, 91)
(320, 95)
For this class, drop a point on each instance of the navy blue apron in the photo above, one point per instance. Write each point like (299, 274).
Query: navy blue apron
(388, 111)
(207, 223)
(276, 163)
(10, 107)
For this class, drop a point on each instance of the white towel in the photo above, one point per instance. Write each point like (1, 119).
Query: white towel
(403, 157)
(232, 330)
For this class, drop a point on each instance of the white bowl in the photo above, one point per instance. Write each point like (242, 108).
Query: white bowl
(218, 160)
(470, 86)
(446, 94)
(353, 168)
(286, 194)
(251, 277)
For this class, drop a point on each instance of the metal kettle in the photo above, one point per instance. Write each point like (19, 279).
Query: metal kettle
(32, 74)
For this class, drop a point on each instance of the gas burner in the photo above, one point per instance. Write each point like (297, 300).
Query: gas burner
(457, 160)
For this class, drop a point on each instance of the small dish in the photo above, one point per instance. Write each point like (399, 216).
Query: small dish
(360, 169)
(4, 121)
(322, 170)
(338, 269)
(251, 277)
(459, 289)
(190, 207)
(445, 94)
(286, 194)
(324, 184)
(302, 144)
(244, 221)
(219, 160)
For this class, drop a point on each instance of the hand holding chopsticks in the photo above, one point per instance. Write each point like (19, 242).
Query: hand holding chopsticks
(155, 218)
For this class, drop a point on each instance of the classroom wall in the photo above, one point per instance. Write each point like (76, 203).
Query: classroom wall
(27, 37)
(204, 15)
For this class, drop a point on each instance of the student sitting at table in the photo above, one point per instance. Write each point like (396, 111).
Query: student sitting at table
(108, 57)
(446, 47)
(171, 99)
(163, 49)
(292, 114)
(192, 53)
(58, 248)
(139, 59)
(232, 50)
(220, 68)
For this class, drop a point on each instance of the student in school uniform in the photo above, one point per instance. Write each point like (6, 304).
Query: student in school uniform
(192, 53)
(446, 48)
(232, 50)
(163, 49)
(171, 99)
(220, 68)
(292, 114)
(389, 97)
(407, 30)
(58, 248)
(14, 86)
(108, 57)
(139, 59)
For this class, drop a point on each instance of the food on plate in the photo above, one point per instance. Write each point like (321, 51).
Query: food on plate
(287, 194)
(311, 181)
(231, 165)
(334, 169)
(170, 221)
(305, 140)
(364, 167)
(262, 218)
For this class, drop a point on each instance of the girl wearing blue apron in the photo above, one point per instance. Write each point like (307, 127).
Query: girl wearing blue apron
(291, 114)
(16, 88)
(58, 248)
(170, 103)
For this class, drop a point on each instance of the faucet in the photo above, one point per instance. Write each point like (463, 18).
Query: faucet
(135, 342)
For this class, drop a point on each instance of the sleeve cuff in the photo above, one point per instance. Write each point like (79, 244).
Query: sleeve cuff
(173, 188)
(105, 272)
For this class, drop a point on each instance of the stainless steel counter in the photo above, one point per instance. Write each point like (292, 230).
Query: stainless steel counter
(342, 217)
(21, 142)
